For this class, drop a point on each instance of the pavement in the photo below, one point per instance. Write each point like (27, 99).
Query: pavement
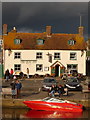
(31, 90)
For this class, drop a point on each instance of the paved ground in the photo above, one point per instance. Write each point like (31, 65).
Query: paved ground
(31, 87)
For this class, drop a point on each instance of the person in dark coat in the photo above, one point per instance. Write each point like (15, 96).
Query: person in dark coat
(13, 88)
(61, 89)
(52, 91)
(18, 87)
(7, 74)
(58, 90)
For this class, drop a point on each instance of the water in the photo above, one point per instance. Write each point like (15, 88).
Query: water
(18, 114)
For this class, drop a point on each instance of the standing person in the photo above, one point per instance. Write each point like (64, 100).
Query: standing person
(18, 87)
(27, 72)
(11, 73)
(7, 74)
(13, 88)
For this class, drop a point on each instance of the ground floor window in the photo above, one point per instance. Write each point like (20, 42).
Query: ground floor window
(39, 67)
(72, 66)
(17, 67)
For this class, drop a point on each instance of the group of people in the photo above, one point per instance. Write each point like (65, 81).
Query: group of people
(16, 88)
(9, 74)
(59, 89)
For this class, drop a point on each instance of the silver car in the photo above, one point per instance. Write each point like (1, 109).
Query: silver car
(48, 82)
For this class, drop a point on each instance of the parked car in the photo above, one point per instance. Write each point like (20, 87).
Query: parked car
(72, 83)
(48, 82)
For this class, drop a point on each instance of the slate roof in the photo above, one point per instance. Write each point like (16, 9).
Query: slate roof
(57, 41)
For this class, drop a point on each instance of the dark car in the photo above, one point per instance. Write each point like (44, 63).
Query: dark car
(72, 83)
(48, 82)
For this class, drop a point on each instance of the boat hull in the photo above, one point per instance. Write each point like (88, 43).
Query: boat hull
(41, 105)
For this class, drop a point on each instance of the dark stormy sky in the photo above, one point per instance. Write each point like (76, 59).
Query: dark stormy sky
(64, 17)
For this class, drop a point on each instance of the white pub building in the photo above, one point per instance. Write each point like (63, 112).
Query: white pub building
(44, 53)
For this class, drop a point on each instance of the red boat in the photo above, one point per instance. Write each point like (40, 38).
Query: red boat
(52, 114)
(53, 104)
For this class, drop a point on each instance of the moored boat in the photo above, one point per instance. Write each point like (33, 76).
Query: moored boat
(53, 104)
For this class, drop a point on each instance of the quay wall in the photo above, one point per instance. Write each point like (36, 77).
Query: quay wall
(18, 103)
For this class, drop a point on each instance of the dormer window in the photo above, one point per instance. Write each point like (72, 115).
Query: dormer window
(40, 41)
(17, 41)
(71, 42)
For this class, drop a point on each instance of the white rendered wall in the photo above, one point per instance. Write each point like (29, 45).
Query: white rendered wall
(28, 60)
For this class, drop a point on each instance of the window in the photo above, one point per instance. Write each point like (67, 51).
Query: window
(39, 55)
(71, 42)
(46, 68)
(40, 41)
(72, 66)
(0, 42)
(17, 41)
(57, 56)
(39, 67)
(72, 56)
(17, 67)
(17, 55)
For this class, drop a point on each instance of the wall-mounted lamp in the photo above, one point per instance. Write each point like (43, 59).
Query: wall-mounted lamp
(9, 52)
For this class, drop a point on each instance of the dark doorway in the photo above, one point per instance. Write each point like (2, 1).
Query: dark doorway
(56, 70)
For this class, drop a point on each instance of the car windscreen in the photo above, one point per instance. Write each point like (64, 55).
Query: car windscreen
(72, 80)
(49, 80)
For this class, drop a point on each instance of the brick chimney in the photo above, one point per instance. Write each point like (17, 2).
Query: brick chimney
(81, 30)
(48, 30)
(4, 29)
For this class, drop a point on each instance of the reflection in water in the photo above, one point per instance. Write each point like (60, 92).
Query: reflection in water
(52, 114)
(18, 114)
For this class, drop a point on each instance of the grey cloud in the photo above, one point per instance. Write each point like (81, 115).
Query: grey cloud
(35, 16)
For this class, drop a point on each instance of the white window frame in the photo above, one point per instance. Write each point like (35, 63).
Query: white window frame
(74, 54)
(57, 56)
(39, 67)
(71, 42)
(17, 55)
(17, 67)
(72, 67)
(17, 41)
(39, 55)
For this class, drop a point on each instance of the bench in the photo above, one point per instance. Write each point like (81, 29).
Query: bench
(6, 91)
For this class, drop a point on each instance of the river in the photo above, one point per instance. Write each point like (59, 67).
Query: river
(18, 114)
